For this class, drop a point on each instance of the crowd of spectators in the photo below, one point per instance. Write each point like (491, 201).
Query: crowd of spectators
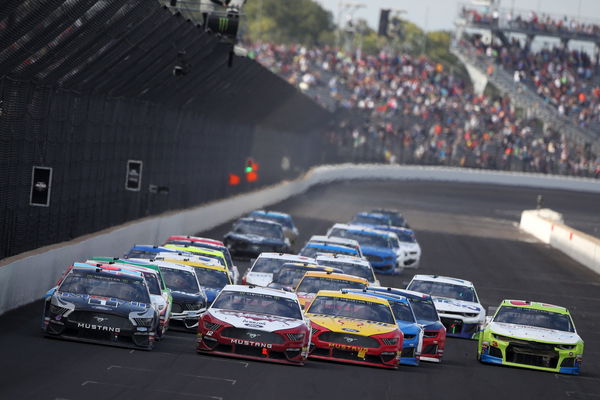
(412, 110)
(564, 78)
(530, 21)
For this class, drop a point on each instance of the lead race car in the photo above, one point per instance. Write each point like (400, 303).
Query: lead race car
(101, 306)
(256, 323)
(531, 335)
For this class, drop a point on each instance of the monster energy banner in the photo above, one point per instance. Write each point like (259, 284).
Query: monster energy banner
(227, 26)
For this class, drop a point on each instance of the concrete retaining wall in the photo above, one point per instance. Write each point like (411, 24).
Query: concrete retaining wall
(548, 227)
(26, 277)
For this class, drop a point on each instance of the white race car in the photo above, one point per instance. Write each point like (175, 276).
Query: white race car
(261, 271)
(257, 323)
(456, 302)
(351, 266)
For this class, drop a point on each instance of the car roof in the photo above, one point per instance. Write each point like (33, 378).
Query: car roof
(196, 239)
(344, 259)
(148, 247)
(535, 305)
(259, 220)
(345, 294)
(107, 269)
(443, 279)
(332, 275)
(195, 249)
(261, 290)
(363, 228)
(402, 292)
(287, 256)
(214, 265)
(385, 295)
(167, 264)
(372, 214)
(271, 213)
(132, 267)
(335, 240)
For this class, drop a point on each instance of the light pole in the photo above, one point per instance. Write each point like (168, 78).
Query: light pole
(346, 9)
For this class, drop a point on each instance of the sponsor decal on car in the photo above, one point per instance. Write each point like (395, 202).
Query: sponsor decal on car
(95, 327)
(251, 343)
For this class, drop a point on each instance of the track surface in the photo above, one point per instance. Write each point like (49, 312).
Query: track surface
(466, 231)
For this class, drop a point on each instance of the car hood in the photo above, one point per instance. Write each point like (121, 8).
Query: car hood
(406, 246)
(431, 325)
(349, 325)
(443, 304)
(251, 238)
(259, 278)
(262, 322)
(409, 328)
(86, 302)
(533, 333)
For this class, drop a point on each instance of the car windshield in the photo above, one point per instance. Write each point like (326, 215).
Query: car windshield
(370, 220)
(402, 311)
(424, 309)
(152, 282)
(180, 280)
(312, 284)
(266, 230)
(147, 255)
(290, 275)
(362, 271)
(533, 317)
(442, 289)
(364, 239)
(96, 284)
(268, 265)
(211, 278)
(312, 249)
(258, 303)
(352, 308)
(406, 237)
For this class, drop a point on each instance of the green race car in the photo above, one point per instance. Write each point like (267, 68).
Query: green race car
(531, 335)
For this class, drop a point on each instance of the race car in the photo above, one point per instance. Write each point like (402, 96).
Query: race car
(290, 274)
(189, 299)
(354, 328)
(211, 275)
(456, 302)
(350, 266)
(256, 323)
(160, 296)
(531, 335)
(262, 269)
(209, 245)
(337, 241)
(203, 253)
(395, 217)
(251, 236)
(101, 306)
(434, 332)
(312, 282)
(407, 322)
(381, 248)
(289, 229)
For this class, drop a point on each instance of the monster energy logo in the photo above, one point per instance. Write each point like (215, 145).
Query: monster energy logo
(223, 24)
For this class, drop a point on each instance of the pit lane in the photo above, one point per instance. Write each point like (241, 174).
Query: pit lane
(465, 231)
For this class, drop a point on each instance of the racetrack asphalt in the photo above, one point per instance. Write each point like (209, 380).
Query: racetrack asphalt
(466, 231)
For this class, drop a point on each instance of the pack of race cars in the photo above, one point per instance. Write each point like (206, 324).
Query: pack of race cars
(326, 302)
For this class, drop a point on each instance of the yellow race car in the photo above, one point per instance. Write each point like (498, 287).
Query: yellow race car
(354, 328)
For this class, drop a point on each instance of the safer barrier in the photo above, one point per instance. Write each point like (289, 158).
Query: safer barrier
(547, 226)
(25, 278)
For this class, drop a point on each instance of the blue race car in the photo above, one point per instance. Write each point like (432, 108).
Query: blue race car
(289, 229)
(147, 251)
(407, 322)
(434, 332)
(382, 249)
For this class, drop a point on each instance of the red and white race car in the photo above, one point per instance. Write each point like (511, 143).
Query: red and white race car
(256, 323)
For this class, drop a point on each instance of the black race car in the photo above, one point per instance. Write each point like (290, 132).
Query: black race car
(252, 236)
(99, 305)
